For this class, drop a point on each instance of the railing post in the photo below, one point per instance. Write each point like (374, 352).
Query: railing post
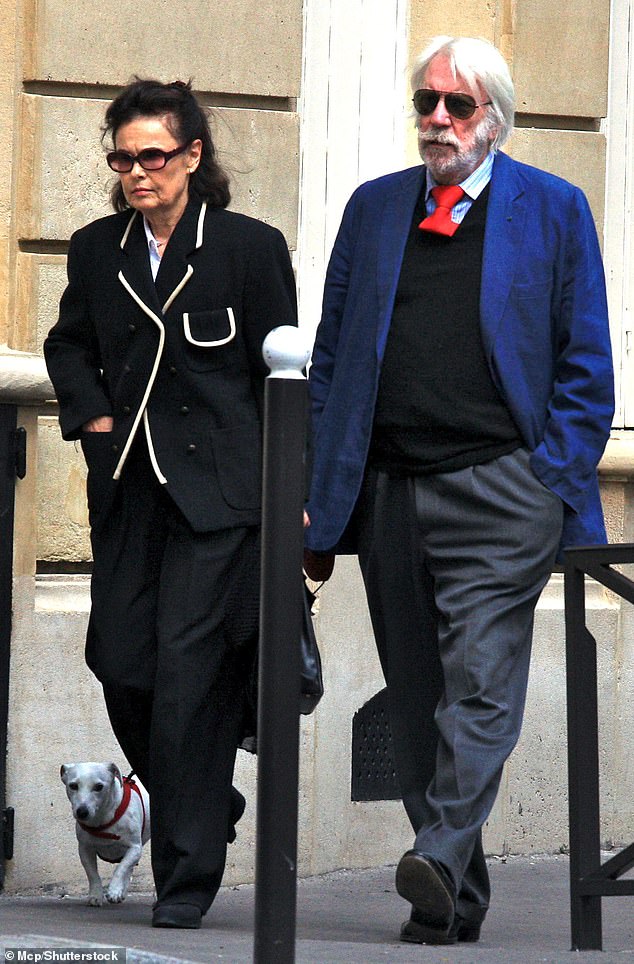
(583, 760)
(8, 416)
(285, 413)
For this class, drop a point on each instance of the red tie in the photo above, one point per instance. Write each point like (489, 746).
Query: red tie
(446, 196)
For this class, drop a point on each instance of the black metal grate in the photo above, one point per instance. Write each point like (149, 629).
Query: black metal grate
(373, 773)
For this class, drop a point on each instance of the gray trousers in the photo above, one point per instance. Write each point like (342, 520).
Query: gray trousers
(453, 566)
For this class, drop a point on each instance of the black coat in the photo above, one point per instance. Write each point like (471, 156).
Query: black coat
(178, 360)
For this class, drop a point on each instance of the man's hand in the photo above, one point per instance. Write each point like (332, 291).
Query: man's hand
(102, 423)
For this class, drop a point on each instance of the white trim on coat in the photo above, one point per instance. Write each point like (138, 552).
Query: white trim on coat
(201, 224)
(126, 233)
(142, 412)
(150, 446)
(148, 388)
(218, 341)
(177, 290)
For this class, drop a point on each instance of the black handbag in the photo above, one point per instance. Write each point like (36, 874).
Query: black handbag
(312, 682)
(311, 679)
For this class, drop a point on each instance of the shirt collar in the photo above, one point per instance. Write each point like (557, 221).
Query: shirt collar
(151, 240)
(474, 185)
(155, 258)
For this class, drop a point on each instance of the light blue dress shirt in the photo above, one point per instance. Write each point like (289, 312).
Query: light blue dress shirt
(473, 186)
(155, 258)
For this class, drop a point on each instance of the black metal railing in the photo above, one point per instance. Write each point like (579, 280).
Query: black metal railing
(8, 416)
(590, 880)
(283, 485)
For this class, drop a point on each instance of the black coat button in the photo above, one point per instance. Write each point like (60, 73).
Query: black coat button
(132, 328)
(126, 409)
(127, 369)
(184, 410)
(191, 447)
(115, 448)
(173, 371)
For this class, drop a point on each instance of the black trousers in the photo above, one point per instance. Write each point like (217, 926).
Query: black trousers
(453, 566)
(171, 635)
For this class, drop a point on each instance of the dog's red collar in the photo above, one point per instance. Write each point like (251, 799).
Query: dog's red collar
(128, 786)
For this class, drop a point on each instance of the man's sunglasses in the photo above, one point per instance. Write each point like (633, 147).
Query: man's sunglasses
(460, 106)
(151, 159)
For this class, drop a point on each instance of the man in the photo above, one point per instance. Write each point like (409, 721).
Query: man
(462, 396)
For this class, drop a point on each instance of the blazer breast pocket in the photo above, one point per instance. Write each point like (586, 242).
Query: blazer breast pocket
(210, 338)
(539, 290)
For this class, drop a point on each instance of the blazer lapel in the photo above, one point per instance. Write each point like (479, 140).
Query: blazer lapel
(506, 219)
(396, 219)
(176, 268)
(134, 264)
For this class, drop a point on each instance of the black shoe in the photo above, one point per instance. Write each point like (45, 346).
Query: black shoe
(429, 889)
(177, 915)
(420, 929)
(238, 804)
(467, 931)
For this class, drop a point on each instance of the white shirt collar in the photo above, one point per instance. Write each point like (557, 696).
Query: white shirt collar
(155, 258)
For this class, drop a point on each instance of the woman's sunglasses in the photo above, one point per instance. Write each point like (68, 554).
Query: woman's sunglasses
(151, 159)
(460, 106)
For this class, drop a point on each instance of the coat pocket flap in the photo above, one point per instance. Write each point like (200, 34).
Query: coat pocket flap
(209, 329)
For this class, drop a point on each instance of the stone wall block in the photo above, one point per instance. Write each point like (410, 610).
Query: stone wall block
(64, 176)
(66, 182)
(63, 533)
(472, 18)
(560, 58)
(40, 281)
(260, 150)
(238, 47)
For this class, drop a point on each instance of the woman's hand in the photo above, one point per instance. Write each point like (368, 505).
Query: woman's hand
(102, 423)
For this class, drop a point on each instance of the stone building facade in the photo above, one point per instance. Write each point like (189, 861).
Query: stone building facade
(309, 100)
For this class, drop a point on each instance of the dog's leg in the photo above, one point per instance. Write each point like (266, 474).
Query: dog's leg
(117, 889)
(88, 858)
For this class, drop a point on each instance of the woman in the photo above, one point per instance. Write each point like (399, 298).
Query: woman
(156, 361)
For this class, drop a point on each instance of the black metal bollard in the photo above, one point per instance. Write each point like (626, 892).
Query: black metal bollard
(285, 411)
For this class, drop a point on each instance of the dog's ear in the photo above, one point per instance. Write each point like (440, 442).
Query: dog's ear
(62, 771)
(116, 772)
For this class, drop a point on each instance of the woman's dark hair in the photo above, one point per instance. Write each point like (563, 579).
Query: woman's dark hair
(187, 121)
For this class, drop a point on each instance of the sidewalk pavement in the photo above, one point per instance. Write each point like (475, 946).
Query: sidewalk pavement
(346, 916)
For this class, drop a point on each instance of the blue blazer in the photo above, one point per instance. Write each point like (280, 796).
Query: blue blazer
(544, 328)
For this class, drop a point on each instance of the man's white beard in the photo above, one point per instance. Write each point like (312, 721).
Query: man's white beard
(454, 167)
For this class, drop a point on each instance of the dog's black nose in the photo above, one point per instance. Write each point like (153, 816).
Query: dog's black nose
(82, 813)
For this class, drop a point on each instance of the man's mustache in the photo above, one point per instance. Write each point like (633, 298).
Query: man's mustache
(438, 136)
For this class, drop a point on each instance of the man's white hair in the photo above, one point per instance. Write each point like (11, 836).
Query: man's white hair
(477, 62)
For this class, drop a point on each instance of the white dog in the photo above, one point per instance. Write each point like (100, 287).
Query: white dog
(112, 817)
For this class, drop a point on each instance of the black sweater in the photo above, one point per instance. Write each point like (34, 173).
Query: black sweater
(438, 409)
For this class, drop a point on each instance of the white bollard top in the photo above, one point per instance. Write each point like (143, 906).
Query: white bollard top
(286, 352)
